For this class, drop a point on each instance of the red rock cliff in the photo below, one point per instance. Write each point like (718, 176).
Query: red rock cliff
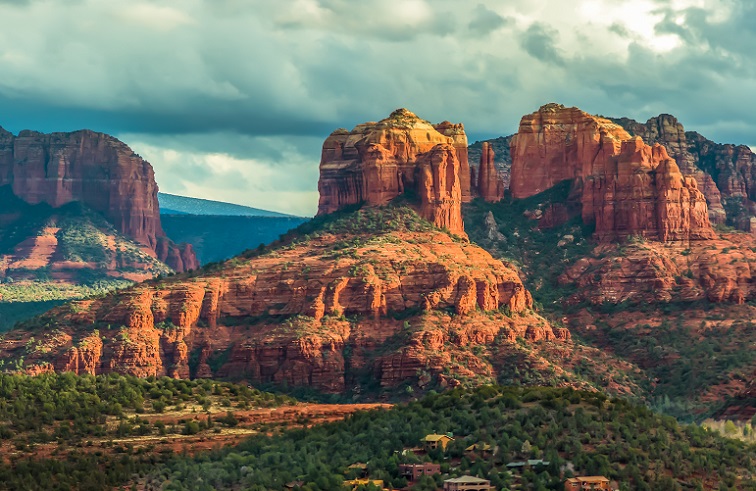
(459, 139)
(627, 187)
(666, 130)
(97, 170)
(490, 185)
(376, 162)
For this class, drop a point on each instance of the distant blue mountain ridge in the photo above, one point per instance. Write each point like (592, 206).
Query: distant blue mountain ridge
(171, 204)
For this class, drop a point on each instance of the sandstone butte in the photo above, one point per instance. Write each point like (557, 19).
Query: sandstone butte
(98, 171)
(726, 173)
(626, 187)
(401, 304)
(376, 162)
(667, 131)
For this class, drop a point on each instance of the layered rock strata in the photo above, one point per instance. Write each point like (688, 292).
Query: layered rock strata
(318, 313)
(648, 272)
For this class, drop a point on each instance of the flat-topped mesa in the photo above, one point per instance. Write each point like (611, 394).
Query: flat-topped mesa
(97, 170)
(490, 185)
(376, 162)
(626, 186)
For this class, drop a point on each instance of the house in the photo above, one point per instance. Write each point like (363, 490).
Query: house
(479, 447)
(468, 483)
(434, 441)
(363, 482)
(294, 484)
(528, 464)
(413, 471)
(581, 483)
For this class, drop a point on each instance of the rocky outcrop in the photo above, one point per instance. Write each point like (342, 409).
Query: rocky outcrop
(459, 140)
(502, 160)
(626, 187)
(439, 188)
(718, 271)
(96, 170)
(180, 257)
(490, 185)
(325, 312)
(666, 130)
(376, 162)
(733, 169)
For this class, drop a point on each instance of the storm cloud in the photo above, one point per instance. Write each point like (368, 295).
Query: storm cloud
(231, 99)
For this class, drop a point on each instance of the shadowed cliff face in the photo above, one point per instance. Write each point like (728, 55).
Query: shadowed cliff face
(376, 162)
(490, 184)
(96, 170)
(625, 186)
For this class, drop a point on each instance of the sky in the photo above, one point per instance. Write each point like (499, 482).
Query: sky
(232, 99)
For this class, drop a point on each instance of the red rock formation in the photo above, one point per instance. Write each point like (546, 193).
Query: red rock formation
(502, 160)
(439, 188)
(666, 130)
(627, 187)
(733, 169)
(376, 162)
(490, 185)
(459, 139)
(282, 317)
(717, 270)
(95, 169)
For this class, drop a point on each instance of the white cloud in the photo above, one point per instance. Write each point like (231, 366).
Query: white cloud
(279, 177)
(239, 75)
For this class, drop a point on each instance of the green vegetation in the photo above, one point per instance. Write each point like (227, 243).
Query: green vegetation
(81, 417)
(395, 217)
(360, 225)
(82, 236)
(56, 407)
(631, 444)
(683, 367)
(534, 250)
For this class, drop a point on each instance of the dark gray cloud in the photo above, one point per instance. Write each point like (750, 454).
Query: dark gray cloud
(222, 95)
(485, 20)
(540, 42)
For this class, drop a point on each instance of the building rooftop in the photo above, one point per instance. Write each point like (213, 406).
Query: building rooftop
(589, 479)
(478, 446)
(467, 479)
(434, 438)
